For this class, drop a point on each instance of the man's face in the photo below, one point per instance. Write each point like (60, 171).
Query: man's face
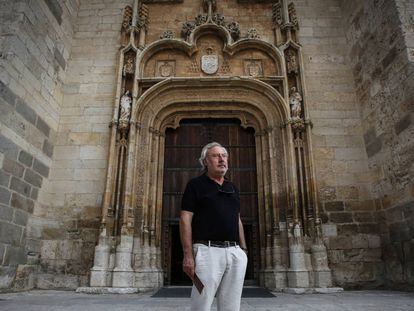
(216, 161)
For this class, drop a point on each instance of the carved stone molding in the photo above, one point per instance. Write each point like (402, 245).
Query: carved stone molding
(253, 67)
(168, 34)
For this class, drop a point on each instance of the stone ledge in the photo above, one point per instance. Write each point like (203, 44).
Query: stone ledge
(316, 290)
(109, 290)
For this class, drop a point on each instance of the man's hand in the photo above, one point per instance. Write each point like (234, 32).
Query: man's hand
(189, 266)
(186, 240)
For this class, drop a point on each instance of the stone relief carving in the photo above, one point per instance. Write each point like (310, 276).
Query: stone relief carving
(253, 67)
(234, 30)
(194, 66)
(200, 19)
(209, 61)
(277, 16)
(168, 34)
(218, 19)
(295, 101)
(187, 28)
(125, 113)
(291, 62)
(253, 34)
(127, 20)
(165, 68)
(292, 14)
(129, 66)
(143, 16)
(225, 67)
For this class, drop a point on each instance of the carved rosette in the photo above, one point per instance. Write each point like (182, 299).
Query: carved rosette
(168, 34)
(253, 34)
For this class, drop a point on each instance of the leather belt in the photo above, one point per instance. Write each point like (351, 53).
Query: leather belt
(217, 243)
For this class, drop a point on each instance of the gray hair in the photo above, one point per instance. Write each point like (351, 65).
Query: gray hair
(204, 151)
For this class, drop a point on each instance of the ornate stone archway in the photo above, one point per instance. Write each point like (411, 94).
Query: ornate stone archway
(247, 79)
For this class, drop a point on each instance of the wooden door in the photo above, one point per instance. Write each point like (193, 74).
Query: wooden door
(182, 150)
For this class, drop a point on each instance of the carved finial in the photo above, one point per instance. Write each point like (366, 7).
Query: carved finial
(209, 7)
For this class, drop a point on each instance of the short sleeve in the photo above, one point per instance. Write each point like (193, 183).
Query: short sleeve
(188, 202)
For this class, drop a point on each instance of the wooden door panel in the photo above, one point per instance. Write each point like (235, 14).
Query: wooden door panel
(182, 150)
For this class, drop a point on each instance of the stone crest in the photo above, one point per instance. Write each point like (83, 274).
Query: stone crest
(253, 67)
(165, 68)
(209, 62)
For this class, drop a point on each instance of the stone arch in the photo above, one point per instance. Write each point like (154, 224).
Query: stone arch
(254, 103)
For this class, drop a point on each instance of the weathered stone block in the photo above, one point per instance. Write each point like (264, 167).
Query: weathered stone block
(10, 233)
(20, 217)
(22, 203)
(47, 148)
(340, 217)
(4, 196)
(13, 167)
(20, 186)
(28, 113)
(33, 178)
(42, 126)
(25, 158)
(40, 168)
(334, 206)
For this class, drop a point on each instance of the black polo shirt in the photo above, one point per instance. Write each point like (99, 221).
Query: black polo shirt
(216, 209)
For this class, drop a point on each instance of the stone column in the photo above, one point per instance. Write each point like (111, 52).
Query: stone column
(322, 273)
(100, 272)
(298, 275)
(123, 275)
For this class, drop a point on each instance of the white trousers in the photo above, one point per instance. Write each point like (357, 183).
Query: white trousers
(222, 272)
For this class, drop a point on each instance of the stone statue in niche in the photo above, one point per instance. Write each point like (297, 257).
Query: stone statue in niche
(126, 101)
(295, 101)
(291, 62)
(129, 65)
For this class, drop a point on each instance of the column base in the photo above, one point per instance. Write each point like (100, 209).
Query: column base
(148, 279)
(100, 277)
(298, 279)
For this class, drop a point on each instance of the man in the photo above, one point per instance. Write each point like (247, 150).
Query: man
(212, 234)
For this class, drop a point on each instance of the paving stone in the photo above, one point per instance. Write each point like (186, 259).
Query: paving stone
(20, 186)
(10, 233)
(13, 167)
(4, 196)
(22, 203)
(33, 178)
(40, 168)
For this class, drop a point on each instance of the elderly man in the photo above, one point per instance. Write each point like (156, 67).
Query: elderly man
(212, 234)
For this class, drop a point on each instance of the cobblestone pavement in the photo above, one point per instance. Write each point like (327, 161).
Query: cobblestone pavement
(70, 301)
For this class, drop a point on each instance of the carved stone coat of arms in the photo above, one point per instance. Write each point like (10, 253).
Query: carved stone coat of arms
(209, 63)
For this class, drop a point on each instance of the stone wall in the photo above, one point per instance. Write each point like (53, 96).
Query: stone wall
(78, 173)
(348, 211)
(380, 38)
(35, 45)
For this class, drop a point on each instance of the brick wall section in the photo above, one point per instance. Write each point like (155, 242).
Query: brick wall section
(380, 38)
(35, 45)
(78, 173)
